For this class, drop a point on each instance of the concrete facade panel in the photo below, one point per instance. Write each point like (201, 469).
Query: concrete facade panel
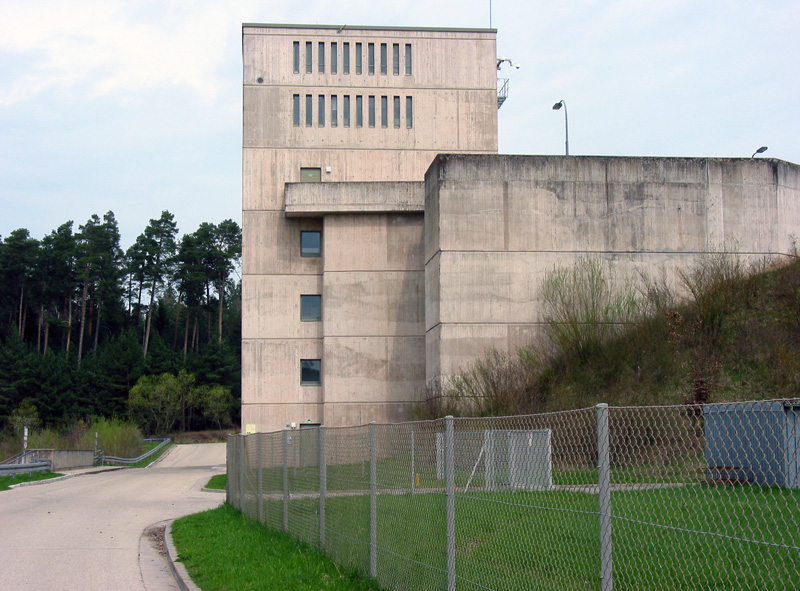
(271, 370)
(374, 369)
(273, 305)
(328, 198)
(271, 244)
(374, 303)
(372, 242)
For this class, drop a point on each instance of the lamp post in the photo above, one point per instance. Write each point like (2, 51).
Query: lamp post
(556, 107)
(761, 150)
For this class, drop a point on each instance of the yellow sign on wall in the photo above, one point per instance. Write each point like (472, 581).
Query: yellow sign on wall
(249, 428)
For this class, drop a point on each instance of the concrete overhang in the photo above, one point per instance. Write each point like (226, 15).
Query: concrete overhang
(316, 199)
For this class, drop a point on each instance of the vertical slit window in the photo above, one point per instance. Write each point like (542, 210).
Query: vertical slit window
(397, 112)
(309, 110)
(384, 111)
(296, 57)
(321, 57)
(309, 52)
(409, 113)
(371, 58)
(334, 111)
(408, 59)
(346, 111)
(372, 111)
(334, 58)
(359, 111)
(396, 59)
(359, 56)
(296, 110)
(321, 113)
(384, 58)
(345, 58)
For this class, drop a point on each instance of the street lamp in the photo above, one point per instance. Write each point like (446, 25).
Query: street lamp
(761, 150)
(556, 107)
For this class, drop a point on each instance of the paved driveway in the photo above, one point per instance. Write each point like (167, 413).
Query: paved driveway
(83, 533)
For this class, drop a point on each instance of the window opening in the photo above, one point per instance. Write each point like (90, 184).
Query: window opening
(408, 59)
(310, 308)
(296, 110)
(371, 59)
(345, 58)
(397, 112)
(346, 111)
(359, 111)
(334, 111)
(309, 51)
(359, 56)
(372, 111)
(409, 113)
(321, 113)
(309, 110)
(384, 111)
(383, 58)
(296, 56)
(334, 58)
(310, 242)
(310, 372)
(321, 57)
(396, 59)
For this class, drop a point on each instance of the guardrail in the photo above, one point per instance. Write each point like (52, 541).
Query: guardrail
(35, 466)
(104, 459)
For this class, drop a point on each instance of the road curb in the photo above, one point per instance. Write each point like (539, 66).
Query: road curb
(178, 569)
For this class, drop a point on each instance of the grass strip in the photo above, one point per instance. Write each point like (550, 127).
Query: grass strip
(6, 482)
(223, 549)
(218, 482)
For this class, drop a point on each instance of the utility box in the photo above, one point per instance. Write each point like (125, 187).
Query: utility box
(753, 442)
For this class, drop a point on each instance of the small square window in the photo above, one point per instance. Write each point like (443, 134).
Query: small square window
(310, 308)
(310, 372)
(310, 244)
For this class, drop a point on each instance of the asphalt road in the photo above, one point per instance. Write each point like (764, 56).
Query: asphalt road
(84, 533)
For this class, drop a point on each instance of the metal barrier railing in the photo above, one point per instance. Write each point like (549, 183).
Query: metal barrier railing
(29, 468)
(104, 459)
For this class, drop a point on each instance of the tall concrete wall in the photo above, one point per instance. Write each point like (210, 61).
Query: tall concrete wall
(494, 225)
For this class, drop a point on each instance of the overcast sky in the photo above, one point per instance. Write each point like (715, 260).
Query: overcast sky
(135, 106)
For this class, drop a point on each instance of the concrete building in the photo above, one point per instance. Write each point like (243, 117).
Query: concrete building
(415, 247)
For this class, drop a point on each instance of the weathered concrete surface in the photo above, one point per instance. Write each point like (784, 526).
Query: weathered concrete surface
(84, 533)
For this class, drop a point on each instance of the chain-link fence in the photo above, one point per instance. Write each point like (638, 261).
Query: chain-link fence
(677, 497)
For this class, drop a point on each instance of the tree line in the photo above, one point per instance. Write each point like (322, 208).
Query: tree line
(82, 320)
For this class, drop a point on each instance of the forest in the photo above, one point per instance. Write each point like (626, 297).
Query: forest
(88, 329)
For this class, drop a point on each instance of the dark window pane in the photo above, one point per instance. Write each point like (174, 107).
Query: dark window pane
(321, 57)
(309, 110)
(372, 111)
(408, 59)
(359, 52)
(383, 58)
(296, 57)
(309, 51)
(371, 58)
(397, 112)
(409, 113)
(384, 111)
(359, 111)
(396, 59)
(311, 372)
(334, 58)
(296, 110)
(321, 114)
(345, 58)
(334, 110)
(310, 244)
(310, 308)
(346, 110)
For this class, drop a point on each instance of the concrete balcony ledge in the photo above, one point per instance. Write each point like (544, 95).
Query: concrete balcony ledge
(315, 199)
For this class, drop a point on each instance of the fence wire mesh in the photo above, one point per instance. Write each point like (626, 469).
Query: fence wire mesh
(680, 497)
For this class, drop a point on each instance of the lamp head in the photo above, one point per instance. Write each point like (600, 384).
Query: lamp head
(558, 105)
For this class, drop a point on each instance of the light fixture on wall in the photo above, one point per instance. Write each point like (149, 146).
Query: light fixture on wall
(761, 150)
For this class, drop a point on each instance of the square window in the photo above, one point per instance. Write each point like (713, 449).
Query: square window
(310, 308)
(310, 244)
(310, 372)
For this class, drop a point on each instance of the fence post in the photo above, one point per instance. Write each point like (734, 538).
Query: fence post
(323, 484)
(604, 497)
(450, 483)
(373, 500)
(242, 448)
(260, 490)
(286, 481)
(228, 465)
(413, 471)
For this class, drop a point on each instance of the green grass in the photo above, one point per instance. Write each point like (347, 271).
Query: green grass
(222, 549)
(218, 482)
(7, 481)
(513, 539)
